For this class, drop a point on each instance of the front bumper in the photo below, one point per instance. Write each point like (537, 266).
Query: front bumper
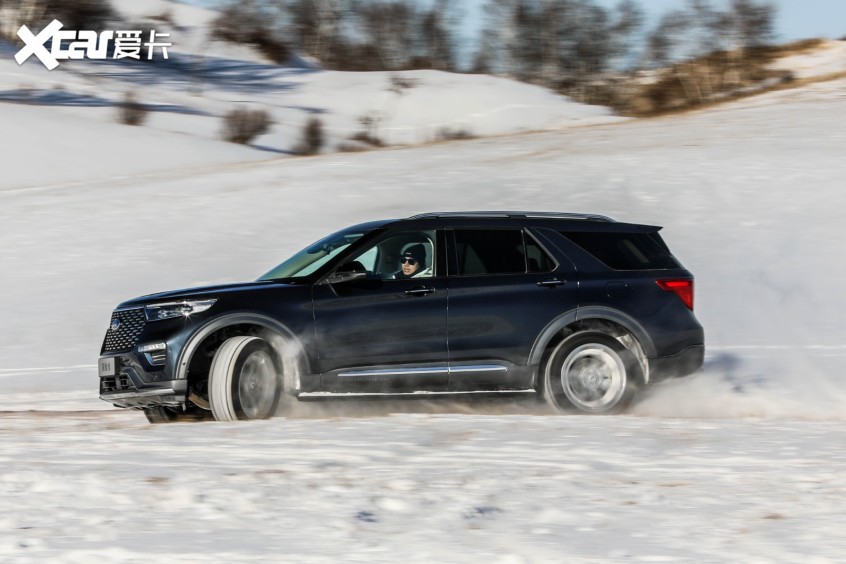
(132, 386)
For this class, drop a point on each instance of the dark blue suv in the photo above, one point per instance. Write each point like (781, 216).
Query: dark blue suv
(577, 308)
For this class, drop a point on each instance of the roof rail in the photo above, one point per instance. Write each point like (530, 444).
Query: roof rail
(529, 214)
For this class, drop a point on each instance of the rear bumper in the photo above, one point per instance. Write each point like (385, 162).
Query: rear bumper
(688, 361)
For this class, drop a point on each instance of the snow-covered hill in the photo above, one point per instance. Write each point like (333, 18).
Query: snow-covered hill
(76, 105)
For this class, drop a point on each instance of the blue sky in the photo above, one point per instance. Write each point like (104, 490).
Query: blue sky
(796, 19)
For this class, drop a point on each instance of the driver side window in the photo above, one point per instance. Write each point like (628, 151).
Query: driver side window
(407, 254)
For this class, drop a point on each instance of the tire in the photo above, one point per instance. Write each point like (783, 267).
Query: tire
(160, 414)
(591, 372)
(244, 380)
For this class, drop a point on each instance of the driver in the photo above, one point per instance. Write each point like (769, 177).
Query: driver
(413, 263)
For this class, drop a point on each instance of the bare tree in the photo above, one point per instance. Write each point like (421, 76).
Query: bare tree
(388, 31)
(315, 26)
(557, 43)
(254, 22)
(710, 52)
(436, 38)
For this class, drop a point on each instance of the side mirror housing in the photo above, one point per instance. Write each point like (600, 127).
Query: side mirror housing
(339, 277)
(347, 272)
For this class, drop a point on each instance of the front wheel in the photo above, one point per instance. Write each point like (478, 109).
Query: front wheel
(244, 380)
(591, 372)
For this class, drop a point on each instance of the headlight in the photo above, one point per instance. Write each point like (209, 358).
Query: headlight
(170, 310)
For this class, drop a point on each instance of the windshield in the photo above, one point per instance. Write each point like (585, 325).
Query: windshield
(309, 260)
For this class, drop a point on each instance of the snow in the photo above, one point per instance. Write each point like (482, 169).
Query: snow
(828, 58)
(422, 488)
(743, 462)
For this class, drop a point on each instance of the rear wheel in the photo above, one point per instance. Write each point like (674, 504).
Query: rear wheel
(244, 380)
(591, 372)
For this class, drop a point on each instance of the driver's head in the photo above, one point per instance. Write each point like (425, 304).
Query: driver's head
(413, 259)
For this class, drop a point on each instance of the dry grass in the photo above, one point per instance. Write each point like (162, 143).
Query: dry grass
(716, 79)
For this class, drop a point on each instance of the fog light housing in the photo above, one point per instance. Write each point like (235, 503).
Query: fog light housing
(155, 353)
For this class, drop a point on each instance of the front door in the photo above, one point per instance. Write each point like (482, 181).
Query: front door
(387, 332)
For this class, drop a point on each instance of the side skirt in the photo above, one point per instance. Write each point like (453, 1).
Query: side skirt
(316, 396)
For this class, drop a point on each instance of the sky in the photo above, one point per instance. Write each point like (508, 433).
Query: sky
(796, 19)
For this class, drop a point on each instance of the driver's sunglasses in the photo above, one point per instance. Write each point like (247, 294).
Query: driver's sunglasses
(408, 260)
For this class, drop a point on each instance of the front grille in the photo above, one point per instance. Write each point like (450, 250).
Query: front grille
(126, 336)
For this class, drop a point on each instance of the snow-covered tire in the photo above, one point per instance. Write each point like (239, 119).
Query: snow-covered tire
(591, 372)
(160, 414)
(244, 380)
(164, 414)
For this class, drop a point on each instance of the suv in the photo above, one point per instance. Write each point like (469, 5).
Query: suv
(580, 309)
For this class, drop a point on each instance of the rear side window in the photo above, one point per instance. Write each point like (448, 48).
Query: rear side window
(626, 251)
(489, 251)
(499, 251)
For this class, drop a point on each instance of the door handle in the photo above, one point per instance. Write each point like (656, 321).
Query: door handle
(551, 283)
(421, 291)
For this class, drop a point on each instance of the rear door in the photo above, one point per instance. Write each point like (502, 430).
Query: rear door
(504, 288)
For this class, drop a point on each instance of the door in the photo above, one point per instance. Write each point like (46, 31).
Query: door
(504, 288)
(385, 332)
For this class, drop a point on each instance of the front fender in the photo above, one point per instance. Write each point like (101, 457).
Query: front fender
(292, 351)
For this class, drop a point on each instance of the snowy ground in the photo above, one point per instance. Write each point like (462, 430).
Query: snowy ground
(744, 462)
(421, 488)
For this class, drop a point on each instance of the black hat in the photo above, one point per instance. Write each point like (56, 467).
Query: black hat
(417, 252)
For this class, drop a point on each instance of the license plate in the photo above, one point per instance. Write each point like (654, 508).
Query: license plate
(106, 367)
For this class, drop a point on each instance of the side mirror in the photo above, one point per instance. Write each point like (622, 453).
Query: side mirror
(346, 272)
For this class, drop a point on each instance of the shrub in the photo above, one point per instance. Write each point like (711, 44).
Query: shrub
(131, 111)
(450, 134)
(242, 125)
(370, 132)
(313, 138)
(247, 25)
(352, 147)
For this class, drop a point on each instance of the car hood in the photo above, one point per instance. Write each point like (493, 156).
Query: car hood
(199, 293)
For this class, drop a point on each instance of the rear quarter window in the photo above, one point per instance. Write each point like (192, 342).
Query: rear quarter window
(626, 251)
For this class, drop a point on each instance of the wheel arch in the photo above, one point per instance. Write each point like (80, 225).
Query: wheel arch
(288, 346)
(613, 322)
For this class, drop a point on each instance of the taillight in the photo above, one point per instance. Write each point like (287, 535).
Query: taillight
(683, 288)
